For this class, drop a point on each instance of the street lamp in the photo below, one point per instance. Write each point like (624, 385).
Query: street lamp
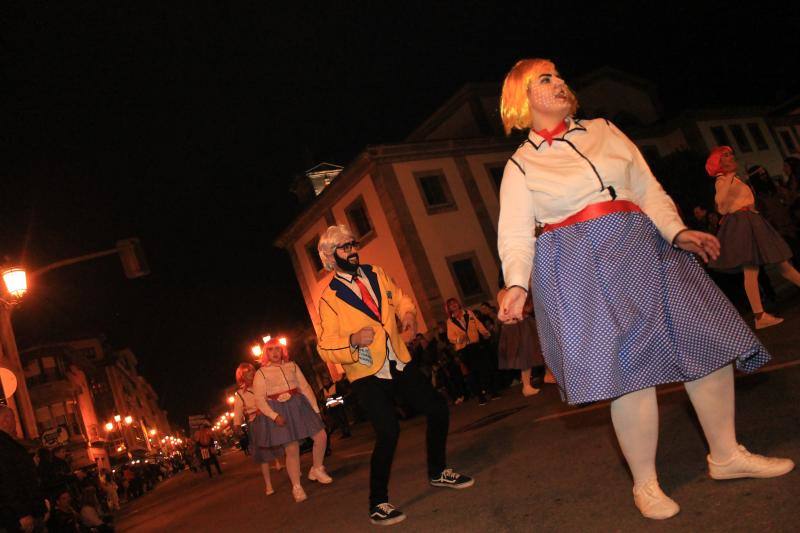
(16, 282)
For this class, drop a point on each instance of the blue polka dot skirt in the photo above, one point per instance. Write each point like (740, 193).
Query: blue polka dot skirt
(619, 309)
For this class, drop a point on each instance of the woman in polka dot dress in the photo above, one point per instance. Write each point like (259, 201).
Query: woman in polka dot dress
(621, 305)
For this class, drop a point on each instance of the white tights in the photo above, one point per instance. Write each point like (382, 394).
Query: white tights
(751, 283)
(635, 419)
(293, 456)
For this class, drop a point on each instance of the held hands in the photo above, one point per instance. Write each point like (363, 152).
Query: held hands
(362, 337)
(703, 244)
(279, 421)
(512, 305)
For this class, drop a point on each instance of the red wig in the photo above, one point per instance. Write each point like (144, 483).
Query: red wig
(240, 370)
(713, 167)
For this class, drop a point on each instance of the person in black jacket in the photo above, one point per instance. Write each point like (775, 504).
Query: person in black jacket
(21, 499)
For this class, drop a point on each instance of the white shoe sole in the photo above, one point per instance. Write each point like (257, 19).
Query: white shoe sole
(754, 475)
(389, 522)
(466, 485)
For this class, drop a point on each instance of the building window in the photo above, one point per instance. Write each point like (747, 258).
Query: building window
(720, 136)
(470, 282)
(435, 192)
(758, 137)
(741, 138)
(313, 255)
(359, 220)
(32, 369)
(788, 142)
(495, 171)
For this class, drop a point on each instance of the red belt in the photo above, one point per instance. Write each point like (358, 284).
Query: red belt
(592, 211)
(276, 396)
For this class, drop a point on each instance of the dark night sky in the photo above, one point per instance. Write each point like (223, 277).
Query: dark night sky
(184, 127)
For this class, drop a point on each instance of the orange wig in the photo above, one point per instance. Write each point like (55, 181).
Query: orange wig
(515, 110)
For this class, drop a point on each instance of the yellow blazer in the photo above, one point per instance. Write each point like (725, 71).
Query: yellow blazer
(459, 337)
(343, 313)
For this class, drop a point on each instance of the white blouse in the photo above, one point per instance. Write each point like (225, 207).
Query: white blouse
(732, 194)
(278, 378)
(244, 406)
(544, 184)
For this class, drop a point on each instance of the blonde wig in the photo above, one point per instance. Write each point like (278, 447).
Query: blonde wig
(515, 110)
(333, 237)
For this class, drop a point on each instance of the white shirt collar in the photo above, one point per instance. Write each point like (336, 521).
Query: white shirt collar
(537, 141)
(350, 278)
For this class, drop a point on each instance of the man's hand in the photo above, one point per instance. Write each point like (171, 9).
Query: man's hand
(703, 244)
(512, 304)
(280, 421)
(362, 337)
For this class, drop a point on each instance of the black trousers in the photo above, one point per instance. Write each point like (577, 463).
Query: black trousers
(338, 420)
(212, 459)
(476, 358)
(376, 397)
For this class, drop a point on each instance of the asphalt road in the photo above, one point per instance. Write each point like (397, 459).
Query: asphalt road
(539, 464)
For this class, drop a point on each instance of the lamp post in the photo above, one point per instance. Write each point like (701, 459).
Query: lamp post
(13, 289)
(118, 419)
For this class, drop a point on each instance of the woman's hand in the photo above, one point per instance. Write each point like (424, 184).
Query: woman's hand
(279, 421)
(512, 304)
(703, 244)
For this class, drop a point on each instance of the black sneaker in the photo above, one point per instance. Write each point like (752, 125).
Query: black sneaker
(384, 514)
(451, 479)
(482, 400)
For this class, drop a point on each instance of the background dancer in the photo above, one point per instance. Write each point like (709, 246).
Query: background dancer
(519, 347)
(291, 414)
(245, 411)
(748, 240)
(620, 306)
(466, 333)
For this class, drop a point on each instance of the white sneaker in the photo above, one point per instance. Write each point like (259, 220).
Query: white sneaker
(746, 464)
(653, 503)
(767, 320)
(320, 475)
